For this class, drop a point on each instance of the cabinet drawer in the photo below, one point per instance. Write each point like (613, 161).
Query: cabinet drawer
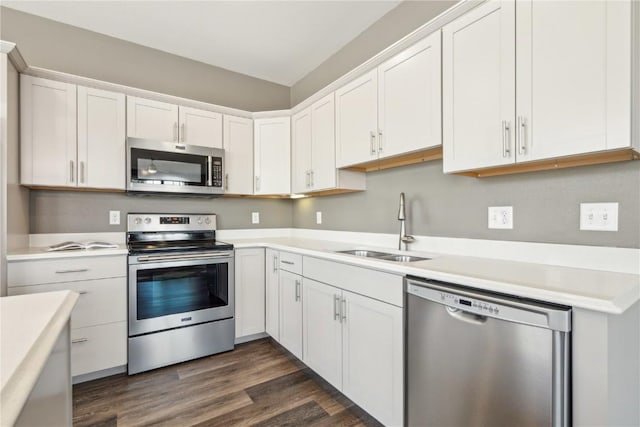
(24, 273)
(382, 286)
(98, 347)
(291, 262)
(101, 301)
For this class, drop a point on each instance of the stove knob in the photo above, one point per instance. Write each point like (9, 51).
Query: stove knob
(199, 220)
(207, 220)
(147, 220)
(137, 220)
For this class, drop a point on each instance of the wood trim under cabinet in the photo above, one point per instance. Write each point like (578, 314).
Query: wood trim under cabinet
(434, 153)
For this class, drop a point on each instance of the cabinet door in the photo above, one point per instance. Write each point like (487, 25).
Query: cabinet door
(409, 99)
(291, 312)
(373, 357)
(249, 291)
(101, 139)
(357, 121)
(574, 77)
(272, 301)
(322, 330)
(272, 155)
(47, 132)
(301, 152)
(200, 127)
(478, 76)
(238, 155)
(152, 119)
(323, 151)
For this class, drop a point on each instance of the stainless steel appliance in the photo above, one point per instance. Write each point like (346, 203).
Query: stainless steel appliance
(171, 167)
(475, 358)
(181, 290)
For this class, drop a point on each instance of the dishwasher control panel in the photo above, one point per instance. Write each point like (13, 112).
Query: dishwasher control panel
(467, 304)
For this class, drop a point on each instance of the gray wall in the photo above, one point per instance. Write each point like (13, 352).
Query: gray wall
(85, 212)
(396, 24)
(545, 204)
(56, 46)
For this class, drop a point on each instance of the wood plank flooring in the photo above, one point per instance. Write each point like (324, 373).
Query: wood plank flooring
(257, 384)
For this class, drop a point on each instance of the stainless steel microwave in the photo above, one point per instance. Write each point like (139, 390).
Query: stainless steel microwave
(169, 167)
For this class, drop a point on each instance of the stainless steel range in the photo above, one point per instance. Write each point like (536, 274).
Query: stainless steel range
(181, 290)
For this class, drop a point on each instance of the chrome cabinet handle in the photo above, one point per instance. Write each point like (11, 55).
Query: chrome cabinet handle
(297, 290)
(81, 174)
(284, 261)
(372, 142)
(79, 340)
(78, 270)
(275, 264)
(311, 173)
(72, 168)
(226, 181)
(182, 132)
(308, 180)
(83, 292)
(175, 131)
(522, 135)
(343, 310)
(257, 183)
(336, 308)
(506, 139)
(379, 140)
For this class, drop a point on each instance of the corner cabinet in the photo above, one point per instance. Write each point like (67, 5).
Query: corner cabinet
(71, 136)
(150, 119)
(238, 155)
(501, 53)
(249, 291)
(314, 155)
(393, 110)
(272, 162)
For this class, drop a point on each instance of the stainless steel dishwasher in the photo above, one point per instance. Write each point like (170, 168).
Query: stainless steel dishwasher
(476, 358)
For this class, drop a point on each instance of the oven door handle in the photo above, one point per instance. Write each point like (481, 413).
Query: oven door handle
(152, 258)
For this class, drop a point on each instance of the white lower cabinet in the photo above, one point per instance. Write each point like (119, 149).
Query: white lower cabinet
(290, 321)
(272, 297)
(99, 319)
(249, 291)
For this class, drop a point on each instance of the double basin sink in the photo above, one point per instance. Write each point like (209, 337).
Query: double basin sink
(383, 255)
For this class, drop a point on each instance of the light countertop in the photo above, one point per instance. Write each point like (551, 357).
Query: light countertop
(34, 253)
(597, 290)
(29, 328)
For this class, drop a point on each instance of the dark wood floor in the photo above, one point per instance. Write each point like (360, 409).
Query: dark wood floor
(259, 383)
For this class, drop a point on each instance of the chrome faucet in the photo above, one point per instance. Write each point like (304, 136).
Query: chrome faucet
(403, 237)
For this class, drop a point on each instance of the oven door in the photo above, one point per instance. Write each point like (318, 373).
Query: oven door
(158, 166)
(172, 291)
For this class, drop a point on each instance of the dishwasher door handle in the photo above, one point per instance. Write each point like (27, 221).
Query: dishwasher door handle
(472, 318)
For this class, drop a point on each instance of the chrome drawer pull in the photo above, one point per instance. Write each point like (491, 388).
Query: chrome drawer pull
(79, 340)
(83, 292)
(79, 270)
(336, 308)
(286, 262)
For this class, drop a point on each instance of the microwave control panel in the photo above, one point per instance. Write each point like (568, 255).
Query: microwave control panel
(216, 171)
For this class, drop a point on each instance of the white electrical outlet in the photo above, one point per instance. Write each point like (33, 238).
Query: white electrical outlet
(255, 217)
(114, 217)
(501, 217)
(599, 216)
(318, 217)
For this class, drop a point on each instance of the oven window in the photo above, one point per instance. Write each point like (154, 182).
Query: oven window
(161, 167)
(173, 290)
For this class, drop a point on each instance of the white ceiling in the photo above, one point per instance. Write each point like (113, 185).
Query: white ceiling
(279, 41)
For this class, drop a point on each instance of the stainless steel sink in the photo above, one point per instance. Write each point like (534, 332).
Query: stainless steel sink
(403, 258)
(383, 255)
(364, 253)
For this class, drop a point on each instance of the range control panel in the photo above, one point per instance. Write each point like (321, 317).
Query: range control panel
(164, 222)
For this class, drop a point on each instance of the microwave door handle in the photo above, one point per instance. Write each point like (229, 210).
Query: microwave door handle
(209, 172)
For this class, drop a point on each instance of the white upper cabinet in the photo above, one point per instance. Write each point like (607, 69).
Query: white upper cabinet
(573, 82)
(301, 151)
(479, 87)
(101, 139)
(357, 121)
(48, 132)
(409, 99)
(162, 121)
(572, 64)
(238, 154)
(150, 119)
(272, 162)
(72, 136)
(200, 127)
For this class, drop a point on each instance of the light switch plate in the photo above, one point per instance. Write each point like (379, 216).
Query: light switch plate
(599, 216)
(114, 217)
(501, 217)
(255, 217)
(318, 217)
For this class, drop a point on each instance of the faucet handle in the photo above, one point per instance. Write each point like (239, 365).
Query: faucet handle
(408, 239)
